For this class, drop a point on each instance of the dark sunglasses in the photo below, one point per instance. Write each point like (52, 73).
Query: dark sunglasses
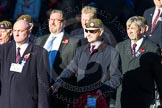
(91, 31)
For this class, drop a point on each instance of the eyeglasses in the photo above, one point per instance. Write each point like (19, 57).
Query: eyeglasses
(91, 31)
(56, 20)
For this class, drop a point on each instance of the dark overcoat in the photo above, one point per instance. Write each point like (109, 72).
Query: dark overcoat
(29, 88)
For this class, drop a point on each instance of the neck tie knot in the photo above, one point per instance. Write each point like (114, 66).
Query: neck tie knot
(49, 45)
(92, 49)
(18, 56)
(134, 49)
(134, 46)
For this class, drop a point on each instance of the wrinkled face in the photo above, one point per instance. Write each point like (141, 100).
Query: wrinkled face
(85, 17)
(21, 32)
(93, 35)
(56, 23)
(134, 32)
(158, 3)
(5, 35)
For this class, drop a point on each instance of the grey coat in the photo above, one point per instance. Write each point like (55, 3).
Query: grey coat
(102, 66)
(139, 75)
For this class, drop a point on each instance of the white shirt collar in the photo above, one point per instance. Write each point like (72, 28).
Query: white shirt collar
(56, 42)
(156, 10)
(98, 44)
(23, 47)
(139, 43)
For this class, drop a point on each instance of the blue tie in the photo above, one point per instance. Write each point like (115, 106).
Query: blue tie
(52, 55)
(50, 44)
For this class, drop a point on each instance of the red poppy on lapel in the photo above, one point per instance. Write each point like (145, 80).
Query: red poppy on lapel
(142, 50)
(65, 41)
(26, 56)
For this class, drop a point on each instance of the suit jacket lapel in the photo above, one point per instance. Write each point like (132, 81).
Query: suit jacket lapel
(128, 50)
(143, 45)
(28, 50)
(44, 39)
(63, 42)
(149, 17)
(12, 56)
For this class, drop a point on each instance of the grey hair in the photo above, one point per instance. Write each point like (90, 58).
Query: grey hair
(140, 21)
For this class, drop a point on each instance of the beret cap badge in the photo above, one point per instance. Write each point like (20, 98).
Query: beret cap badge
(5, 24)
(2, 25)
(92, 24)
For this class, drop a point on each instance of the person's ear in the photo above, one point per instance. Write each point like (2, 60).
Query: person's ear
(11, 32)
(101, 31)
(146, 28)
(142, 30)
(31, 26)
(64, 23)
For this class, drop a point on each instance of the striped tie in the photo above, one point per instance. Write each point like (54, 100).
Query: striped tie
(134, 49)
(18, 56)
(92, 49)
(155, 20)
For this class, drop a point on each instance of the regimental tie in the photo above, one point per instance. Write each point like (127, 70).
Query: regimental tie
(134, 49)
(92, 50)
(18, 56)
(155, 21)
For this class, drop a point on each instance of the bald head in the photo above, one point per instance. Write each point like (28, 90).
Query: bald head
(21, 24)
(21, 30)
